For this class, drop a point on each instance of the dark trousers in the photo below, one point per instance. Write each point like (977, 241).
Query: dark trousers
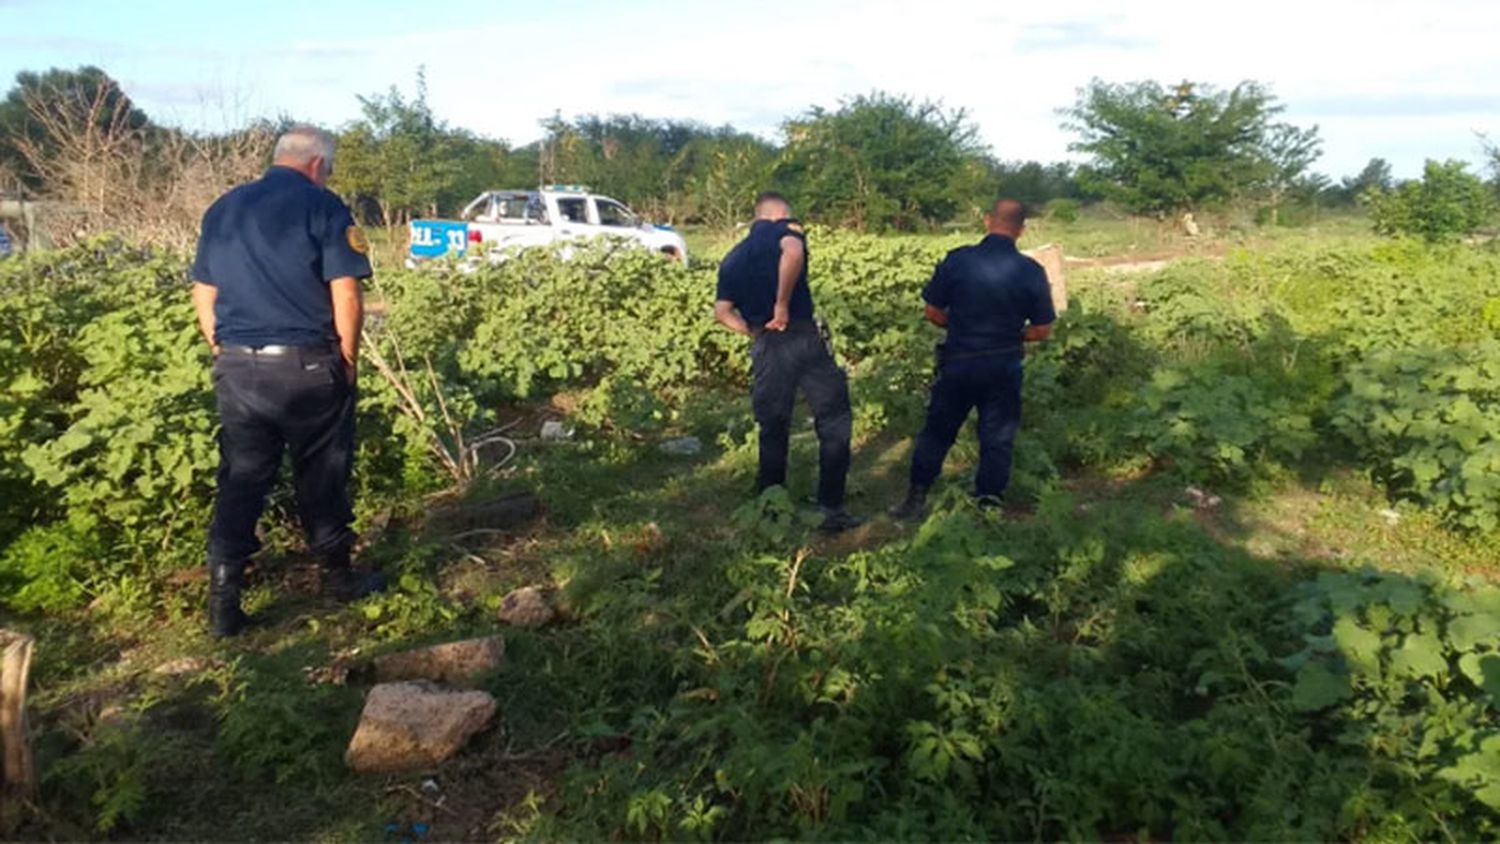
(990, 383)
(781, 363)
(300, 403)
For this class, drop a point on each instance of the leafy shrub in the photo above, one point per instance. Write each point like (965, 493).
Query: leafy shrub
(1409, 671)
(1428, 422)
(1216, 426)
(1063, 210)
(1448, 203)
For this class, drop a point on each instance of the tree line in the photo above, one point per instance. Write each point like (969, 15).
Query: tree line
(875, 162)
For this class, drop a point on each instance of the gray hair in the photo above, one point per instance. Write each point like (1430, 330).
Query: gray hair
(301, 144)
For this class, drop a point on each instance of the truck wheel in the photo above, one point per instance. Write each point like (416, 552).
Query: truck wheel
(671, 252)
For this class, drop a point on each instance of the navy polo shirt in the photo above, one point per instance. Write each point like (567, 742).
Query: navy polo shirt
(749, 274)
(271, 247)
(990, 292)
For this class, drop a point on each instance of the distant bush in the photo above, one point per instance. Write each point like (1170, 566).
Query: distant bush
(1063, 210)
(1448, 203)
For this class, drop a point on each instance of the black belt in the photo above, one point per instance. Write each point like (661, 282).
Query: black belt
(274, 350)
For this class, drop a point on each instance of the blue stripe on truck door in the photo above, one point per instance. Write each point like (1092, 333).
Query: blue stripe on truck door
(435, 238)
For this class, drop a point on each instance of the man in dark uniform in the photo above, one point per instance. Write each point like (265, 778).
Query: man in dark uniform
(276, 287)
(763, 294)
(992, 300)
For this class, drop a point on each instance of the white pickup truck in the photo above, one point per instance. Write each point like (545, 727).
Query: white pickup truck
(524, 218)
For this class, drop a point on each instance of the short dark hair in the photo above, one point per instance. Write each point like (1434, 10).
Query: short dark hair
(770, 196)
(1010, 212)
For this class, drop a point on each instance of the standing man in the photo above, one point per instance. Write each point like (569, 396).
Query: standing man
(992, 300)
(763, 294)
(276, 287)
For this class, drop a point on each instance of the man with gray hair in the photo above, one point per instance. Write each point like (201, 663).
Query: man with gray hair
(276, 284)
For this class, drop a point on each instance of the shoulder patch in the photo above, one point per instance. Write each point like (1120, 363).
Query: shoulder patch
(793, 225)
(357, 240)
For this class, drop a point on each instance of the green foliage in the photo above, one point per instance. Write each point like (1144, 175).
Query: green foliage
(1448, 203)
(880, 162)
(1429, 422)
(671, 169)
(1374, 178)
(1102, 667)
(1162, 149)
(108, 423)
(114, 769)
(281, 732)
(1410, 672)
(1217, 426)
(1063, 210)
(1035, 183)
(405, 161)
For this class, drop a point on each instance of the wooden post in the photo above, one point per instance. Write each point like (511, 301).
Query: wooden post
(1050, 256)
(19, 782)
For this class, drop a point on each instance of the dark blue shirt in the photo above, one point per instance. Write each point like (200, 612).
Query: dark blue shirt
(271, 247)
(748, 275)
(990, 292)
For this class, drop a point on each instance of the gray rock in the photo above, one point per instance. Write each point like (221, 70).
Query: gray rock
(684, 446)
(454, 663)
(415, 726)
(526, 607)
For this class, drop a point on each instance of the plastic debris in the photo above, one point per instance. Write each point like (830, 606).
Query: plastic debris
(555, 431)
(683, 446)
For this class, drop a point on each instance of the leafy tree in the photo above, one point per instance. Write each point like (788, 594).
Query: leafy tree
(405, 161)
(1446, 204)
(41, 101)
(657, 166)
(1374, 177)
(1158, 149)
(1035, 183)
(881, 162)
(1286, 153)
(728, 173)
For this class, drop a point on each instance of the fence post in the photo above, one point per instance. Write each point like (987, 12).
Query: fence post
(19, 783)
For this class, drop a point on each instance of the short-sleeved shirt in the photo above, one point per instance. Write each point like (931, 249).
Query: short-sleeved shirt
(990, 292)
(271, 247)
(749, 274)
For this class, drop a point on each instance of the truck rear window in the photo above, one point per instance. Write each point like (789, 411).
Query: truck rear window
(509, 208)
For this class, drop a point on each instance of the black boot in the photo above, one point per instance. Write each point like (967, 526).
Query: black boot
(343, 583)
(838, 520)
(915, 505)
(225, 618)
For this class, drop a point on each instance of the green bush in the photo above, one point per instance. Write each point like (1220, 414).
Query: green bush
(1448, 203)
(1063, 210)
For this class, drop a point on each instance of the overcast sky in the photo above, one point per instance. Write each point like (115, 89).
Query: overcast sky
(1398, 79)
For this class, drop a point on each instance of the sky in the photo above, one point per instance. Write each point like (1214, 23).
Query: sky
(1397, 79)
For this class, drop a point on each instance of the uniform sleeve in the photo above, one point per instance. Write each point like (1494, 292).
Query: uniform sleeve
(200, 271)
(728, 289)
(346, 252)
(1042, 312)
(939, 291)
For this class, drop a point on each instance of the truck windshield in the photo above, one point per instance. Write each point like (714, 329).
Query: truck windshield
(612, 213)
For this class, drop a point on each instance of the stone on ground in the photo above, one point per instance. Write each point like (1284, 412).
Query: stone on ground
(526, 607)
(415, 726)
(454, 663)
